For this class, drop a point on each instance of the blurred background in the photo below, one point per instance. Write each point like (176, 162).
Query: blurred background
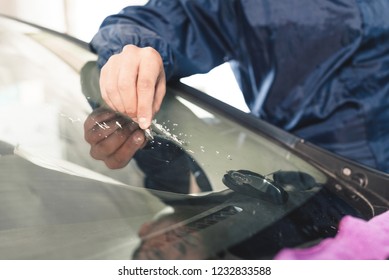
(82, 18)
(79, 18)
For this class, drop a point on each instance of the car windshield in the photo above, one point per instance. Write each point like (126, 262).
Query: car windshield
(201, 174)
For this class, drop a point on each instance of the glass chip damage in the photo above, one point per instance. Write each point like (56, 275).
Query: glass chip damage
(204, 186)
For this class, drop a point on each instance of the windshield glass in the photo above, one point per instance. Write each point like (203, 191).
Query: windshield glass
(200, 172)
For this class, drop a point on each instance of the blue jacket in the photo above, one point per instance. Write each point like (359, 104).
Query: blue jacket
(316, 68)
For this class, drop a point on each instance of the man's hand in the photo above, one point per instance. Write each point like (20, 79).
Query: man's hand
(133, 83)
(113, 138)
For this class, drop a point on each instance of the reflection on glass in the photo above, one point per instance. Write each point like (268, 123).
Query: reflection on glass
(116, 139)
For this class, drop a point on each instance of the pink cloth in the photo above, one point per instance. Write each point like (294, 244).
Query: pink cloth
(356, 240)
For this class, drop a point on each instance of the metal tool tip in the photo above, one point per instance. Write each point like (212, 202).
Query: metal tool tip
(148, 134)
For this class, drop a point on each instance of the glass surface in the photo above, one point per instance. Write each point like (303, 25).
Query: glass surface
(58, 202)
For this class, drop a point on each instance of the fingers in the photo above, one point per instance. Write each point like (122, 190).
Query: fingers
(99, 115)
(160, 92)
(117, 154)
(133, 83)
(108, 84)
(127, 80)
(150, 77)
(113, 138)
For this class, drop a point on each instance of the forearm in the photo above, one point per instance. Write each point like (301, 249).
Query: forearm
(178, 30)
(115, 34)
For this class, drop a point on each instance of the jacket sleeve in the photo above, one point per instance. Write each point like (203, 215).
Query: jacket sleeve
(192, 36)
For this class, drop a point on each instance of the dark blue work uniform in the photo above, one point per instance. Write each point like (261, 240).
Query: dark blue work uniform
(316, 68)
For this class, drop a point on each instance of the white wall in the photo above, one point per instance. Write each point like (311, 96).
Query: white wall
(79, 18)
(48, 13)
(85, 16)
